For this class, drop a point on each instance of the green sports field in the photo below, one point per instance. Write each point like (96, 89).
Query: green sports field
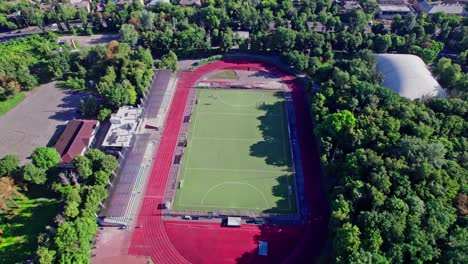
(238, 155)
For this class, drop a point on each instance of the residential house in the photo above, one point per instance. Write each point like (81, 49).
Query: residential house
(155, 2)
(349, 5)
(78, 4)
(192, 3)
(390, 11)
(121, 3)
(424, 6)
(392, 2)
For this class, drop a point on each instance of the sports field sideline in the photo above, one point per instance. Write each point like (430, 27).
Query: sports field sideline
(238, 155)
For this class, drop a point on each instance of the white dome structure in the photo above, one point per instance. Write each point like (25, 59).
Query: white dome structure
(408, 76)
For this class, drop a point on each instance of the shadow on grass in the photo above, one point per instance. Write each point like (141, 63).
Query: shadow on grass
(273, 126)
(275, 149)
(281, 234)
(21, 231)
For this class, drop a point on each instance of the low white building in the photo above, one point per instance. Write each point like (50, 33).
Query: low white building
(124, 125)
(390, 11)
(156, 2)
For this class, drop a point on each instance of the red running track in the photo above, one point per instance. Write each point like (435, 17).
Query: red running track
(160, 240)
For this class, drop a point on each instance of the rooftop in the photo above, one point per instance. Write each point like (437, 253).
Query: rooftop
(155, 2)
(394, 8)
(408, 76)
(76, 137)
(123, 126)
(190, 3)
(350, 5)
(454, 9)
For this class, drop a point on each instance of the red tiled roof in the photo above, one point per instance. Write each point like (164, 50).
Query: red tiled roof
(76, 137)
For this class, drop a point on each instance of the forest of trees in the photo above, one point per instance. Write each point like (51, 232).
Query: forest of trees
(115, 74)
(23, 64)
(80, 190)
(396, 170)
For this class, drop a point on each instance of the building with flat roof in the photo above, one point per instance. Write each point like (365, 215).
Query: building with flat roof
(390, 11)
(408, 76)
(192, 3)
(77, 137)
(124, 124)
(156, 2)
(432, 8)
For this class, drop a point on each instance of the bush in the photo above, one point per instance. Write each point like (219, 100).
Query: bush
(8, 165)
(104, 114)
(45, 158)
(75, 83)
(34, 174)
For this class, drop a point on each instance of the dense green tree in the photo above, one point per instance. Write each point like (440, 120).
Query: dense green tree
(334, 124)
(128, 34)
(428, 51)
(448, 73)
(101, 177)
(90, 107)
(382, 43)
(369, 6)
(59, 62)
(45, 158)
(108, 163)
(347, 240)
(71, 210)
(357, 20)
(34, 174)
(66, 238)
(282, 39)
(169, 61)
(227, 39)
(83, 166)
(104, 114)
(457, 245)
(146, 19)
(298, 60)
(45, 255)
(8, 165)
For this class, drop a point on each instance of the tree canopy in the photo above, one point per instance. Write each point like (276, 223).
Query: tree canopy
(45, 157)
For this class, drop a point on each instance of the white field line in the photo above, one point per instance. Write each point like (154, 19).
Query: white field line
(242, 183)
(284, 149)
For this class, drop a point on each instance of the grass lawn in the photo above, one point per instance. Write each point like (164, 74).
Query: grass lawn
(7, 105)
(224, 75)
(238, 155)
(21, 231)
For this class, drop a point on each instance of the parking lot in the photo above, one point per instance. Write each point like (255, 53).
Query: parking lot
(32, 123)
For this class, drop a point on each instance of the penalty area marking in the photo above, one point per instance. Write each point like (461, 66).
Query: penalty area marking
(239, 105)
(241, 183)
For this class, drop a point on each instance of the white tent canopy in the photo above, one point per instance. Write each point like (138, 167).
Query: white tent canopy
(408, 76)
